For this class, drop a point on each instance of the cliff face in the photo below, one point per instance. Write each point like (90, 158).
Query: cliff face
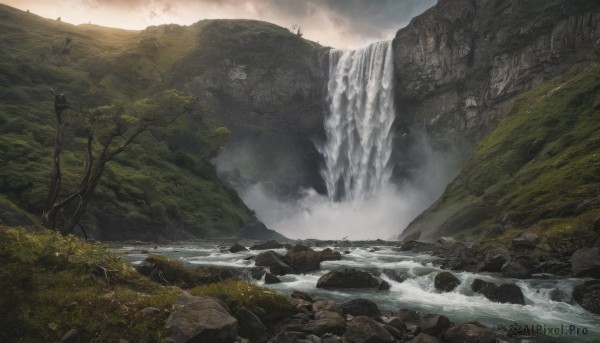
(460, 65)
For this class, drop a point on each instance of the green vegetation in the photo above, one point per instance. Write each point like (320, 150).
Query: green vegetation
(51, 283)
(538, 170)
(238, 293)
(164, 186)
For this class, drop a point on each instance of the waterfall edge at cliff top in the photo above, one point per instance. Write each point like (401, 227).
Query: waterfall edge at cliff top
(359, 121)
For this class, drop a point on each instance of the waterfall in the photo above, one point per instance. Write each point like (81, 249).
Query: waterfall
(357, 127)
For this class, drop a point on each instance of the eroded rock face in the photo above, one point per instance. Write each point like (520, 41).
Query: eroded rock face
(201, 319)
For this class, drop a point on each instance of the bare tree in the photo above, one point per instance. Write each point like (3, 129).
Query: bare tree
(109, 130)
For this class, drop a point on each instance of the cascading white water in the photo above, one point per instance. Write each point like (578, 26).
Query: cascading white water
(357, 127)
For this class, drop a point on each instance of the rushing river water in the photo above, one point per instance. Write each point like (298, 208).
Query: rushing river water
(417, 291)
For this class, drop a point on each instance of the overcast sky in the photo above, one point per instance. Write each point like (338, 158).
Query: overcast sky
(337, 23)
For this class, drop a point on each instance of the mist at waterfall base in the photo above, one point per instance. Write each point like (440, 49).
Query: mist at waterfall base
(362, 201)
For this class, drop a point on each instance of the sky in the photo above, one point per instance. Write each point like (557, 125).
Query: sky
(336, 23)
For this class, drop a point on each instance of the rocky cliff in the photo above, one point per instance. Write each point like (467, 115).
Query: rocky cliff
(460, 65)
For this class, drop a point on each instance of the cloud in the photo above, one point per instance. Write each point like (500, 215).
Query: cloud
(337, 23)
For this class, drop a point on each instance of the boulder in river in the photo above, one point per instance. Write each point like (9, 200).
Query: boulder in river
(267, 245)
(473, 332)
(365, 330)
(416, 246)
(361, 307)
(274, 261)
(201, 319)
(505, 293)
(588, 296)
(330, 255)
(271, 279)
(586, 262)
(446, 282)
(304, 261)
(349, 278)
(237, 247)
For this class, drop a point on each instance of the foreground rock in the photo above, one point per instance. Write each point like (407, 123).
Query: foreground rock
(251, 326)
(586, 262)
(365, 330)
(201, 319)
(588, 296)
(446, 282)
(326, 322)
(505, 293)
(361, 307)
(349, 278)
(473, 332)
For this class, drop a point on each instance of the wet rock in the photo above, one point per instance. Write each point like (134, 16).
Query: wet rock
(271, 279)
(596, 225)
(424, 338)
(526, 240)
(446, 282)
(304, 261)
(302, 295)
(259, 231)
(360, 307)
(237, 247)
(509, 293)
(395, 322)
(514, 269)
(257, 272)
(417, 246)
(313, 339)
(326, 305)
(384, 286)
(586, 262)
(347, 252)
(201, 319)
(349, 278)
(486, 288)
(330, 255)
(588, 296)
(434, 324)
(298, 248)
(558, 295)
(494, 262)
(473, 332)
(330, 338)
(398, 275)
(251, 326)
(267, 245)
(365, 330)
(280, 268)
(398, 334)
(328, 322)
(264, 259)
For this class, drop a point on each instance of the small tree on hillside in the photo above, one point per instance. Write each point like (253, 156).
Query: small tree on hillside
(109, 130)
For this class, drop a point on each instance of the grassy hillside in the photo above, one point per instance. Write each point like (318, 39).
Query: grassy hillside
(538, 170)
(162, 184)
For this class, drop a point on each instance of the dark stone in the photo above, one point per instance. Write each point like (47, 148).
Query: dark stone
(398, 275)
(328, 322)
(434, 324)
(365, 330)
(201, 319)
(330, 255)
(271, 279)
(486, 288)
(149, 311)
(473, 332)
(526, 240)
(299, 248)
(417, 246)
(326, 305)
(446, 282)
(384, 286)
(558, 295)
(302, 295)
(449, 243)
(267, 245)
(257, 272)
(509, 293)
(274, 261)
(304, 261)
(251, 326)
(596, 224)
(347, 279)
(347, 252)
(329, 338)
(588, 296)
(280, 268)
(360, 307)
(424, 338)
(237, 247)
(259, 231)
(586, 262)
(514, 269)
(494, 263)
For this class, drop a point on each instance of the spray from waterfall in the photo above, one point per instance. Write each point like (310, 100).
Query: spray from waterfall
(357, 127)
